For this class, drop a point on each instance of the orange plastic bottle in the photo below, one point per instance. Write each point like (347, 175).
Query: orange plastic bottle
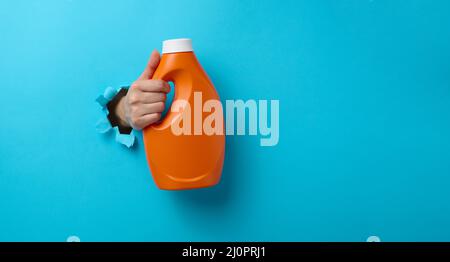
(183, 161)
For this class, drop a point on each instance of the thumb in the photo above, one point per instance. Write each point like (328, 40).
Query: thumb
(152, 64)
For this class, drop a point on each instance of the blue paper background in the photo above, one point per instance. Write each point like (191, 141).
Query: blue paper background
(364, 90)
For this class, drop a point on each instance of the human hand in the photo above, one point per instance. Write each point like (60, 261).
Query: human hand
(145, 100)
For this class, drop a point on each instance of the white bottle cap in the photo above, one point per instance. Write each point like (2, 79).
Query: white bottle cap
(177, 45)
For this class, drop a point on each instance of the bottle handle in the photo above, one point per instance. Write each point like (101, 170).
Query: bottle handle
(182, 92)
(161, 75)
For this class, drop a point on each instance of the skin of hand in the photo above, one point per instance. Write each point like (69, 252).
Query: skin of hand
(146, 98)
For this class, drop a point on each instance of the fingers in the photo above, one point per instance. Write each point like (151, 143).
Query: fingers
(141, 122)
(152, 64)
(149, 97)
(143, 108)
(137, 97)
(146, 109)
(151, 86)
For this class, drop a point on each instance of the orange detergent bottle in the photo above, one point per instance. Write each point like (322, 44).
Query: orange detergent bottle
(184, 161)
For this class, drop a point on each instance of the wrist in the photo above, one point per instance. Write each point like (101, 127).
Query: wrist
(120, 112)
(116, 114)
